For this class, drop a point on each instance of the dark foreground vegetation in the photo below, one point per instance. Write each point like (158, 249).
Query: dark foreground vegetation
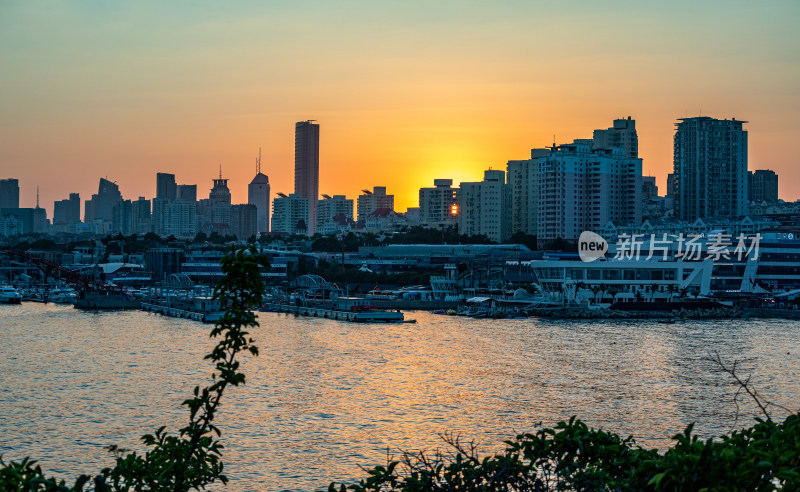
(569, 456)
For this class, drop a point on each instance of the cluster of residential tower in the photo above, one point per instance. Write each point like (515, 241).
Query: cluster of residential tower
(559, 192)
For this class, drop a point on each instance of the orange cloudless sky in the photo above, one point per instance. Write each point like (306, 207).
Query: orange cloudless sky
(404, 92)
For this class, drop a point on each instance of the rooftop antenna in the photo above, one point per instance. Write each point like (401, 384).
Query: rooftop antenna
(37, 196)
(220, 170)
(258, 162)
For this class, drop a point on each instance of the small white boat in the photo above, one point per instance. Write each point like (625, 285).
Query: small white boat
(62, 296)
(9, 295)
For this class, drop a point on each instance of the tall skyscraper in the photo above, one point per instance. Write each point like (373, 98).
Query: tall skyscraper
(140, 216)
(174, 207)
(306, 167)
(122, 217)
(258, 195)
(166, 191)
(67, 212)
(220, 192)
(763, 186)
(101, 206)
(9, 193)
(166, 188)
(214, 213)
(710, 166)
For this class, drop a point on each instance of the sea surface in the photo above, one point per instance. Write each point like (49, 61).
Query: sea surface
(325, 397)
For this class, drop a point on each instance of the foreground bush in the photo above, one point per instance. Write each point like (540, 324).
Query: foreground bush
(571, 456)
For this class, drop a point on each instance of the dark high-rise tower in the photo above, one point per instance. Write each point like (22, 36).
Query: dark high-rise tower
(258, 195)
(187, 193)
(306, 167)
(710, 164)
(67, 212)
(166, 189)
(108, 196)
(763, 186)
(9, 193)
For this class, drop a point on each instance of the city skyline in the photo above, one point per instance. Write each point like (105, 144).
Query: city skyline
(166, 187)
(407, 93)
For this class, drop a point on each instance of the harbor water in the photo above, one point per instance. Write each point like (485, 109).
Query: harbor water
(325, 397)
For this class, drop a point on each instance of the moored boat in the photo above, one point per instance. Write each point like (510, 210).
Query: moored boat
(9, 295)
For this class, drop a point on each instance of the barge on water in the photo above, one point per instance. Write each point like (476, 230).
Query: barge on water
(100, 299)
(199, 308)
(354, 309)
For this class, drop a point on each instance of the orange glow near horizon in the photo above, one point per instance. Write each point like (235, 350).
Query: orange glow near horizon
(404, 93)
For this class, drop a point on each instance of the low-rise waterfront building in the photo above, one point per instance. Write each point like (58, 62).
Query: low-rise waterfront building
(163, 262)
(660, 267)
(621, 280)
(426, 257)
(203, 267)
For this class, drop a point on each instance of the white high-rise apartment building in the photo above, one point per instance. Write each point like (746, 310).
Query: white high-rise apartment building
(290, 214)
(329, 207)
(564, 190)
(482, 206)
(522, 192)
(622, 134)
(582, 188)
(371, 201)
(179, 218)
(438, 204)
(710, 165)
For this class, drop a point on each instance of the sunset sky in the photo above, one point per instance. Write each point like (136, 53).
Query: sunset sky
(404, 92)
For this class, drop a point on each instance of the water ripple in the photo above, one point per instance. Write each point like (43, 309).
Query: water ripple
(325, 397)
